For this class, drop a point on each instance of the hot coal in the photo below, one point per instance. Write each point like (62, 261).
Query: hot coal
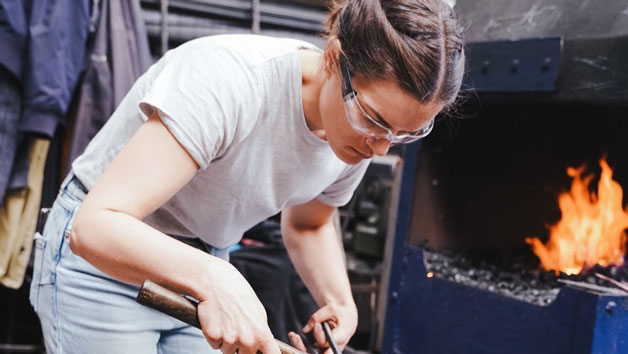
(515, 273)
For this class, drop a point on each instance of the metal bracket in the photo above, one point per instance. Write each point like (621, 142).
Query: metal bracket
(528, 65)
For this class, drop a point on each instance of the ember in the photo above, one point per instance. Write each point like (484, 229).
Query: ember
(592, 227)
(515, 273)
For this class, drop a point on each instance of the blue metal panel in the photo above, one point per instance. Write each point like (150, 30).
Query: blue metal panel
(401, 231)
(610, 335)
(439, 316)
(431, 315)
(529, 65)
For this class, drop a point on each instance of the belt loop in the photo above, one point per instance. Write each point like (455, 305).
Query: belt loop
(66, 181)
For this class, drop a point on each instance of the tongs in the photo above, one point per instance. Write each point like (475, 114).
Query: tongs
(330, 338)
(180, 307)
(621, 285)
(311, 349)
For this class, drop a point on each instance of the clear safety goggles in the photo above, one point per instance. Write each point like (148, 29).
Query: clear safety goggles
(364, 124)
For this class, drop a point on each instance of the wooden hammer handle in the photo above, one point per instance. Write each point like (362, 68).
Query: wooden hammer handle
(175, 305)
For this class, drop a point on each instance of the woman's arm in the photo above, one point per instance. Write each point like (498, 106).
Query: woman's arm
(107, 229)
(108, 233)
(313, 245)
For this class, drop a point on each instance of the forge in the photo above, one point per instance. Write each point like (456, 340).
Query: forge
(462, 291)
(451, 317)
(550, 92)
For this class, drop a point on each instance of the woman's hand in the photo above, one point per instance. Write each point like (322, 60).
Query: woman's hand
(343, 320)
(232, 317)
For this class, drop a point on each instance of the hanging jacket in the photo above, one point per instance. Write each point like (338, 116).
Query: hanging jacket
(119, 54)
(13, 34)
(43, 44)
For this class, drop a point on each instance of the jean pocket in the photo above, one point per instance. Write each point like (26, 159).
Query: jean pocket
(40, 247)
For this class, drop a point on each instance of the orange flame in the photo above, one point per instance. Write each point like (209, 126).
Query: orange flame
(591, 229)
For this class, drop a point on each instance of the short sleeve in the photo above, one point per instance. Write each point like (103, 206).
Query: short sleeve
(340, 192)
(205, 97)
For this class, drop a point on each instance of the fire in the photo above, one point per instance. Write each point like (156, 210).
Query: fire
(591, 229)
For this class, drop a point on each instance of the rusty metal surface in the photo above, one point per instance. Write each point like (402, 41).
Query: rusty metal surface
(487, 20)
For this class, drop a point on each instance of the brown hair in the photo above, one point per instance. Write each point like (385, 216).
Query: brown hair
(417, 43)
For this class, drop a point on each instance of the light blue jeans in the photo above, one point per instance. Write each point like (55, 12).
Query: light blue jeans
(85, 311)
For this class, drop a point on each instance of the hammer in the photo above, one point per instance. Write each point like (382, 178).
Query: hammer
(175, 305)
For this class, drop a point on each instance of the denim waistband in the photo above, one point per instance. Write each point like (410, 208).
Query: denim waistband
(72, 192)
(73, 187)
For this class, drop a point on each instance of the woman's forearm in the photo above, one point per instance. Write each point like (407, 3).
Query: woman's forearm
(317, 257)
(130, 250)
(229, 313)
(108, 231)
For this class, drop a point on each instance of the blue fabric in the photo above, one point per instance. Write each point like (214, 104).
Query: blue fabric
(119, 55)
(10, 112)
(82, 310)
(44, 46)
(13, 34)
(19, 173)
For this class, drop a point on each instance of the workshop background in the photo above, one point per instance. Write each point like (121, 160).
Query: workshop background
(61, 76)
(501, 232)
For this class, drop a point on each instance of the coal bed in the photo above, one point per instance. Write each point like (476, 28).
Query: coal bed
(515, 273)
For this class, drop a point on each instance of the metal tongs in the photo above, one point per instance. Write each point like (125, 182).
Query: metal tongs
(311, 349)
(620, 284)
(330, 338)
(182, 308)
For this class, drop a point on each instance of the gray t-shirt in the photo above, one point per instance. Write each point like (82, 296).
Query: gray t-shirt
(234, 103)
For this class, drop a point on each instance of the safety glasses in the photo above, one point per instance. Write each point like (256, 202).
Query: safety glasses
(364, 124)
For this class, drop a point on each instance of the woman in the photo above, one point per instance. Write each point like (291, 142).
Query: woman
(218, 135)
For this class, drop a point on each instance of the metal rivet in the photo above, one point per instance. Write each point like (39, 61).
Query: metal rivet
(395, 297)
(485, 65)
(609, 307)
(515, 65)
